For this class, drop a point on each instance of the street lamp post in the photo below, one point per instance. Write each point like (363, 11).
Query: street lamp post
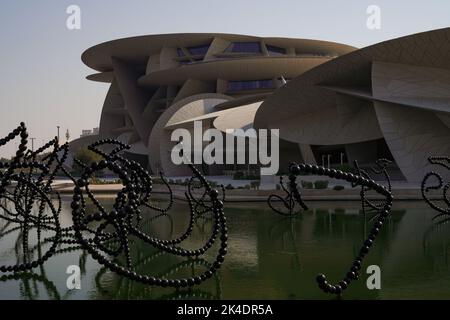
(58, 132)
(32, 143)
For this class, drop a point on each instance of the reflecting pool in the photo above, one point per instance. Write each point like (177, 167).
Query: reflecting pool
(270, 257)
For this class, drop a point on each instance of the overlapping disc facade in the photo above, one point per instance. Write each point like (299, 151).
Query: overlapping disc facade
(331, 102)
(163, 82)
(389, 100)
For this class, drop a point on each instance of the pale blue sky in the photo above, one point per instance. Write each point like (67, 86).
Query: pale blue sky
(42, 79)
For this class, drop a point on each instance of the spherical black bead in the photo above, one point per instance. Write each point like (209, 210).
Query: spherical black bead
(183, 283)
(338, 289)
(321, 278)
(198, 280)
(102, 164)
(378, 224)
(97, 216)
(294, 169)
(357, 264)
(214, 193)
(343, 284)
(81, 183)
(365, 250)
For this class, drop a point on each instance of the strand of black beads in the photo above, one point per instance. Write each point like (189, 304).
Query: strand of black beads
(380, 169)
(51, 176)
(100, 238)
(170, 201)
(78, 212)
(19, 153)
(120, 147)
(42, 259)
(138, 175)
(200, 204)
(152, 241)
(47, 187)
(200, 201)
(23, 276)
(294, 171)
(368, 243)
(169, 245)
(287, 201)
(6, 232)
(443, 162)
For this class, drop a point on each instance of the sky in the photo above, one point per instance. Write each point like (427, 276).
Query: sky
(42, 78)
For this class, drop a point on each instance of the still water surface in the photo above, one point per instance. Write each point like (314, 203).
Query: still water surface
(270, 257)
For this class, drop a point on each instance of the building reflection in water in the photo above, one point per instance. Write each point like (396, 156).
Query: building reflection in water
(436, 243)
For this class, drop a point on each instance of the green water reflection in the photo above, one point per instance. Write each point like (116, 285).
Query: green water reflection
(270, 257)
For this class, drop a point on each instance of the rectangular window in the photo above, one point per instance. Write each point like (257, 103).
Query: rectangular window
(275, 51)
(198, 50)
(234, 86)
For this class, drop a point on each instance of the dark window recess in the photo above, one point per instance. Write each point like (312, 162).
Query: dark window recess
(180, 52)
(234, 86)
(198, 50)
(274, 51)
(244, 47)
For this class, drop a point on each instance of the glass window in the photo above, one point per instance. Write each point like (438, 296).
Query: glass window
(234, 86)
(244, 47)
(198, 50)
(274, 51)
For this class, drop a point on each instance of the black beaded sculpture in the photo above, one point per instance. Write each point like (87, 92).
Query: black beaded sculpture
(107, 246)
(367, 184)
(290, 200)
(25, 190)
(425, 188)
(200, 204)
(381, 169)
(26, 204)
